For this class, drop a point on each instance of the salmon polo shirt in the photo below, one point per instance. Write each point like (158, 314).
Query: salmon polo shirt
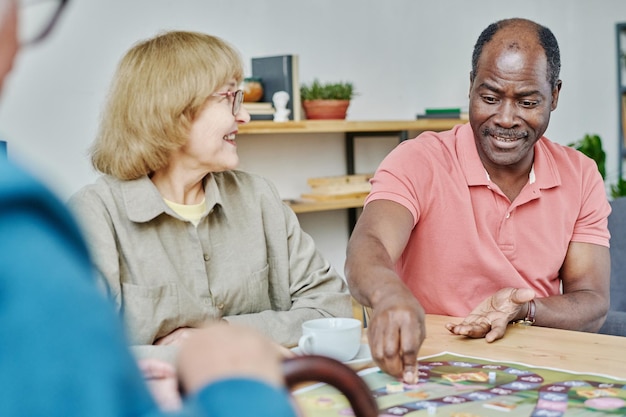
(468, 239)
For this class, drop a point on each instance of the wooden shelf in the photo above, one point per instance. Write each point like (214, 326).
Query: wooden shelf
(349, 128)
(309, 206)
(345, 126)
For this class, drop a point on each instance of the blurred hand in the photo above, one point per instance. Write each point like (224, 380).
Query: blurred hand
(396, 331)
(491, 317)
(163, 383)
(225, 351)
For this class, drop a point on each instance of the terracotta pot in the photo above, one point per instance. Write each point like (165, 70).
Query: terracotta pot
(325, 109)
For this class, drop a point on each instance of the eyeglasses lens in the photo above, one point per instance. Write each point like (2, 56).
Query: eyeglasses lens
(237, 100)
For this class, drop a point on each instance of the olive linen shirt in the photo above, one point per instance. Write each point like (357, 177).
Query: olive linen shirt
(247, 261)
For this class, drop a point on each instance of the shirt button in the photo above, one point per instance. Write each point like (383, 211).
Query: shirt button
(508, 215)
(220, 306)
(206, 257)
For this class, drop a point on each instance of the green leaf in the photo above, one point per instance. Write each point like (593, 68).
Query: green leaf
(591, 145)
(327, 91)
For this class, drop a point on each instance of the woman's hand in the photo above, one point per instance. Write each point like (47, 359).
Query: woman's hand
(177, 337)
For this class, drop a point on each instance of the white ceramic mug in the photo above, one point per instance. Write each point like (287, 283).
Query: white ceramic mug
(336, 337)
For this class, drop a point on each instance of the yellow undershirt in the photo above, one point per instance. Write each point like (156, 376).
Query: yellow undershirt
(190, 212)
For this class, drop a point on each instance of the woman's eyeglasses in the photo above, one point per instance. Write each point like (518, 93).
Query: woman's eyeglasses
(237, 99)
(36, 18)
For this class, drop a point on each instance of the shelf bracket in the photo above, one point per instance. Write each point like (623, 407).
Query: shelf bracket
(350, 162)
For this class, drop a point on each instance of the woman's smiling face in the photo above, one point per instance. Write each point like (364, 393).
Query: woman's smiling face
(211, 143)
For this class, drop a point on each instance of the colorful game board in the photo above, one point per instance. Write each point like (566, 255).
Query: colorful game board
(452, 385)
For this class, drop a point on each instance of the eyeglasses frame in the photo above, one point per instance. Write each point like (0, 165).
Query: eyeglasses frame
(51, 23)
(237, 99)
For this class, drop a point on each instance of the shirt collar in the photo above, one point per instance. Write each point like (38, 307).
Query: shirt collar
(144, 202)
(544, 173)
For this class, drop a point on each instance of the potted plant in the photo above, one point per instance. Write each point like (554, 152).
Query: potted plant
(619, 189)
(326, 100)
(591, 145)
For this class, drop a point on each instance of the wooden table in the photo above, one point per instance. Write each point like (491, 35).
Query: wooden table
(532, 345)
(535, 346)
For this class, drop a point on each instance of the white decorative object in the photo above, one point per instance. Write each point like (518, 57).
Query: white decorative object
(280, 100)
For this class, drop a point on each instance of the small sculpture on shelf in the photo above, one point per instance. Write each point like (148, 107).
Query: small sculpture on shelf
(280, 100)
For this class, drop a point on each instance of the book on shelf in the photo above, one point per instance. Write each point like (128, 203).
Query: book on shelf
(258, 106)
(259, 110)
(443, 113)
(442, 110)
(280, 73)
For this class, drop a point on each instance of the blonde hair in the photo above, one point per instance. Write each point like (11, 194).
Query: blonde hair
(160, 86)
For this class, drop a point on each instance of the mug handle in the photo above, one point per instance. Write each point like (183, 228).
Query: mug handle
(304, 344)
(315, 368)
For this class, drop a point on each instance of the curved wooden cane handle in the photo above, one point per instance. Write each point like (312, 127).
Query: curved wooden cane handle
(313, 368)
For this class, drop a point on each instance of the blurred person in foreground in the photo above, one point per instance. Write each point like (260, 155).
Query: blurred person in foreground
(489, 221)
(63, 352)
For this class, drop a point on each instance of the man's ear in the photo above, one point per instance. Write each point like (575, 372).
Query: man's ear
(555, 94)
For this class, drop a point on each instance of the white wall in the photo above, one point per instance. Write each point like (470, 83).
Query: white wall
(402, 55)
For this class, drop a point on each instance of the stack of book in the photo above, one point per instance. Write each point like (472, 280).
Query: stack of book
(443, 113)
(259, 110)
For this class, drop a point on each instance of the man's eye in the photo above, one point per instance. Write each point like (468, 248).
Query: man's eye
(528, 103)
(489, 99)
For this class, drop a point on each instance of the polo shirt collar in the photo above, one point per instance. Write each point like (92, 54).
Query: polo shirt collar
(143, 201)
(544, 167)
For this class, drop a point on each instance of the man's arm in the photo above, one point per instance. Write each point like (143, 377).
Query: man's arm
(586, 275)
(582, 306)
(396, 330)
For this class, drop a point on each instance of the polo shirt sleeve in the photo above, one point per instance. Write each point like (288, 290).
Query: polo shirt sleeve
(592, 223)
(398, 180)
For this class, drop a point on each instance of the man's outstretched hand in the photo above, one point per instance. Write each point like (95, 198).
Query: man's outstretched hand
(491, 317)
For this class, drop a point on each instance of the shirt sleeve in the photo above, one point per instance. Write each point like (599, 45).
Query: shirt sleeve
(224, 399)
(63, 352)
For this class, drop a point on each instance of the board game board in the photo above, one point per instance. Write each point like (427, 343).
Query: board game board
(453, 385)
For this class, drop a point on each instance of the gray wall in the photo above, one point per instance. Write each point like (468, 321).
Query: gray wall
(402, 55)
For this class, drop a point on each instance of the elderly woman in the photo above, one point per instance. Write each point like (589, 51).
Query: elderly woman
(180, 236)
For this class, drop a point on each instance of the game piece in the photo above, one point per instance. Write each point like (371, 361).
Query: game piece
(395, 386)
